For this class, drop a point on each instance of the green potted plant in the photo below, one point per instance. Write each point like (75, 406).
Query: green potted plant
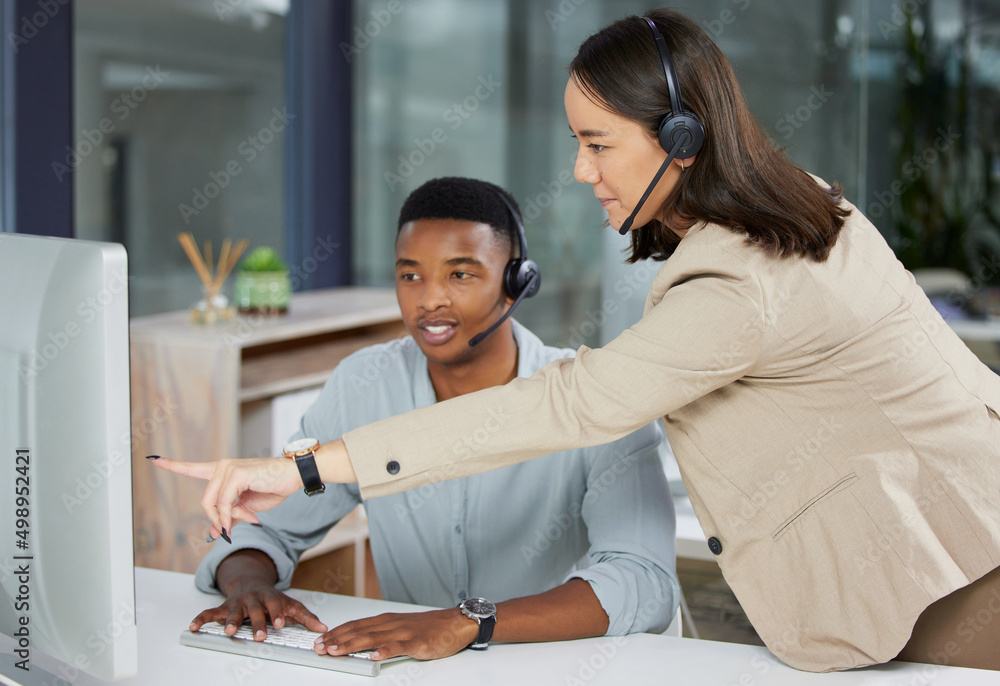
(262, 284)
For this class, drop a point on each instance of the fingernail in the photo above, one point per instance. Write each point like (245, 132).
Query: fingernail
(259, 635)
(319, 641)
(152, 457)
(318, 646)
(225, 536)
(375, 656)
(209, 539)
(192, 627)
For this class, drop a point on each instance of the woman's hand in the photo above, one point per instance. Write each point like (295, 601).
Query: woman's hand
(238, 489)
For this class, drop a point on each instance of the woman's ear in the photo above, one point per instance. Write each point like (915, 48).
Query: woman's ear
(686, 164)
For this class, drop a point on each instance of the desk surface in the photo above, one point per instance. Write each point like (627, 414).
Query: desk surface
(167, 601)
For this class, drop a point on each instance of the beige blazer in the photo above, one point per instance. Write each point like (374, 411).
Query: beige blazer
(840, 444)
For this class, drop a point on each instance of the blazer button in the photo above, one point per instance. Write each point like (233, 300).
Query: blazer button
(715, 545)
(392, 467)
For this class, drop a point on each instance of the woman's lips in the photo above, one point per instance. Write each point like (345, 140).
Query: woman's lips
(606, 201)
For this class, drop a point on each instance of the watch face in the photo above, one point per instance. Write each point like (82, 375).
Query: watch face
(301, 445)
(479, 607)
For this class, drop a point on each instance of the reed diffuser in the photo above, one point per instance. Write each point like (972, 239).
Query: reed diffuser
(214, 306)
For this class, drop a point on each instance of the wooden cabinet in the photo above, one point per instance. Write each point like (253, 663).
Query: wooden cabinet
(203, 392)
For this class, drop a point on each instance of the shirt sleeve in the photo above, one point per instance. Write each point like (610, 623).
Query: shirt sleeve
(705, 332)
(630, 523)
(300, 521)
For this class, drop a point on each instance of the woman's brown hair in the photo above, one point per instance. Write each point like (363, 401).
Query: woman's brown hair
(738, 179)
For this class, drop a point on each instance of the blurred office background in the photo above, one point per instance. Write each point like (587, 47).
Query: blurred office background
(303, 124)
(294, 122)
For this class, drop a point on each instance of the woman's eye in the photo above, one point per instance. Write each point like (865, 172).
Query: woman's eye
(595, 147)
(408, 277)
(462, 275)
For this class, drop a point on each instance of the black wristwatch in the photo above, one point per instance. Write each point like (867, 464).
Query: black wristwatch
(484, 612)
(303, 451)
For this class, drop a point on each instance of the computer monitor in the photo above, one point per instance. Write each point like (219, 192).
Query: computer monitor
(67, 577)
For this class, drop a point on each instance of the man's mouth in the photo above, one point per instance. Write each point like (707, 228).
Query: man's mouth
(437, 332)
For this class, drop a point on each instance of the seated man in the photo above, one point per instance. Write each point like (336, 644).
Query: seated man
(571, 545)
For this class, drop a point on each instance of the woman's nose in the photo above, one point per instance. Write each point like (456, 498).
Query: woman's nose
(584, 170)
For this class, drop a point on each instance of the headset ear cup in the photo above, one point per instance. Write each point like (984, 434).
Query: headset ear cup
(684, 127)
(527, 270)
(517, 277)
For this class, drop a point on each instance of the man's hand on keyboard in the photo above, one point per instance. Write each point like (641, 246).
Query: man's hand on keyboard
(258, 602)
(422, 635)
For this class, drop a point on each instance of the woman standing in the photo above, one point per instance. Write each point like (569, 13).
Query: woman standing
(840, 445)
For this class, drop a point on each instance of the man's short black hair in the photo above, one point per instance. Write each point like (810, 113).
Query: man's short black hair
(457, 197)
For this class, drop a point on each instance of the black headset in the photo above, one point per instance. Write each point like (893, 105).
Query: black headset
(680, 132)
(521, 277)
(681, 125)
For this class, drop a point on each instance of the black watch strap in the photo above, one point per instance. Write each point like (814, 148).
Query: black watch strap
(482, 641)
(309, 473)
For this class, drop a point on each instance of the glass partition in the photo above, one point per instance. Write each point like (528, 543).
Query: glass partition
(180, 119)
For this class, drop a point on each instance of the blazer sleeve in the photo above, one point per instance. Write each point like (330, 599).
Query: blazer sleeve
(702, 333)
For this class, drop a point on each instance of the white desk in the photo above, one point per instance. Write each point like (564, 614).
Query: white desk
(167, 601)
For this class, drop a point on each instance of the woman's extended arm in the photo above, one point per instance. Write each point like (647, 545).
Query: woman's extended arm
(704, 331)
(238, 489)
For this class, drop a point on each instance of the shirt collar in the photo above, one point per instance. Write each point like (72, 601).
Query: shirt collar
(529, 359)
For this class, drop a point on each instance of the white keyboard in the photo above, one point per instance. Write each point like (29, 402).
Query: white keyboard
(291, 643)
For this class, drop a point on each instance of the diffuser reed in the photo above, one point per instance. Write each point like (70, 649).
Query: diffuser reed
(214, 306)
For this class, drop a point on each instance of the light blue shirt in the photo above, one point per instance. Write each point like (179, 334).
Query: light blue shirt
(603, 514)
